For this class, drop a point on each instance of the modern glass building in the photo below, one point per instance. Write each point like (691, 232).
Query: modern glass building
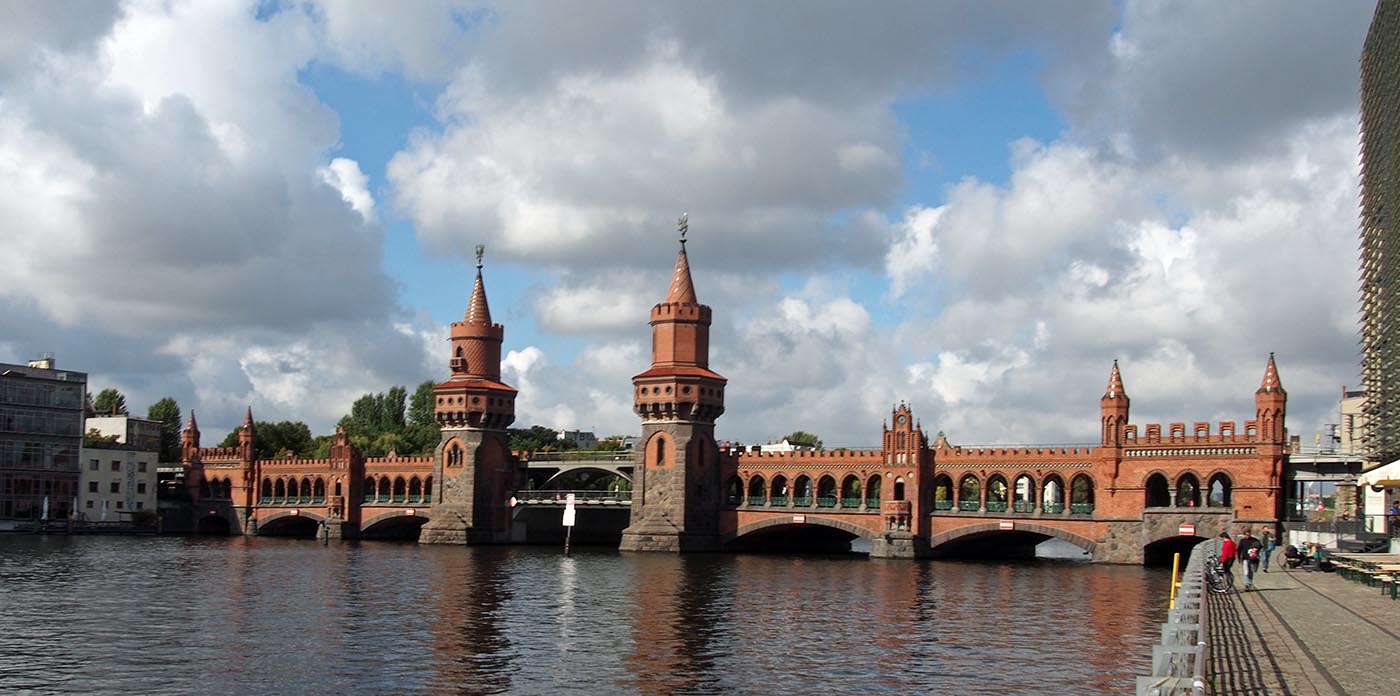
(1380, 234)
(41, 436)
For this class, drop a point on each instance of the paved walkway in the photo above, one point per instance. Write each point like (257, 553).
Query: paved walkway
(1304, 634)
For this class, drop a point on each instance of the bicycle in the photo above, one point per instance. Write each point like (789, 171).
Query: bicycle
(1218, 577)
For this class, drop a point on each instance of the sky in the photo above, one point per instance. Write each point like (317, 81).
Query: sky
(973, 208)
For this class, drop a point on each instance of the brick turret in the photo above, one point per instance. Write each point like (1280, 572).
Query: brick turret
(676, 489)
(1113, 410)
(473, 461)
(1271, 405)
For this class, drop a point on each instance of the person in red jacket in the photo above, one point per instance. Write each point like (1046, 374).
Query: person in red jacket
(1227, 550)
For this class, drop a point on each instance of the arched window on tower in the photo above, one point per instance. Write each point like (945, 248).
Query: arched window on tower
(996, 493)
(415, 490)
(734, 491)
(279, 491)
(659, 458)
(1157, 494)
(778, 491)
(802, 491)
(265, 491)
(970, 493)
(757, 496)
(1081, 495)
(1023, 494)
(1219, 493)
(826, 492)
(1052, 495)
(318, 490)
(942, 492)
(1188, 491)
(369, 489)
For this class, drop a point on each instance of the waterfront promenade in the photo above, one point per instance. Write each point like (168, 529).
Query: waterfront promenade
(1305, 634)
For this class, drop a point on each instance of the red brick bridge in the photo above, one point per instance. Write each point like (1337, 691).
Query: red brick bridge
(1134, 496)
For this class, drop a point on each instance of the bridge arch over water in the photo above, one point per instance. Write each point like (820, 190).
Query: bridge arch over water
(286, 523)
(394, 524)
(990, 539)
(817, 533)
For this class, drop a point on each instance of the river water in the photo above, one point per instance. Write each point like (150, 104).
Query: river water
(185, 615)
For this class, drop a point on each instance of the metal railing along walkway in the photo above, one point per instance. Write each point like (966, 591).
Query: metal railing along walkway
(1179, 660)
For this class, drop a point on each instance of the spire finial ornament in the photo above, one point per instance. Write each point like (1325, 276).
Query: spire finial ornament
(683, 225)
(480, 251)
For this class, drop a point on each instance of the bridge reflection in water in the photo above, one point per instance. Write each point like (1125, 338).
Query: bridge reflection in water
(267, 615)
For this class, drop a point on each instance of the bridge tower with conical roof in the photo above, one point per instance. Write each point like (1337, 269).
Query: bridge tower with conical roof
(473, 466)
(676, 484)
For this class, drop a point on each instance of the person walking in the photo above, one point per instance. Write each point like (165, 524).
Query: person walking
(1248, 551)
(1269, 546)
(1227, 551)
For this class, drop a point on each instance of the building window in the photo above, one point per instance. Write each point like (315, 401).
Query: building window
(119, 504)
(116, 486)
(140, 505)
(141, 487)
(141, 467)
(116, 465)
(92, 486)
(93, 465)
(89, 503)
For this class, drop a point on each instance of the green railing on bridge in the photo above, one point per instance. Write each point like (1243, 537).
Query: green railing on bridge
(778, 501)
(1023, 506)
(757, 499)
(943, 505)
(850, 502)
(1053, 508)
(996, 506)
(618, 456)
(802, 501)
(873, 501)
(826, 501)
(561, 497)
(969, 505)
(1081, 508)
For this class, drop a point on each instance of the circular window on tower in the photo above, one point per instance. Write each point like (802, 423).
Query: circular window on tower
(685, 390)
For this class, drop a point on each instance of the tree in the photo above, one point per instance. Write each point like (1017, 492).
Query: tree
(420, 407)
(537, 438)
(273, 440)
(167, 411)
(110, 402)
(804, 438)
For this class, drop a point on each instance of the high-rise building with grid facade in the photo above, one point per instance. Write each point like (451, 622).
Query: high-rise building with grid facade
(1380, 233)
(41, 438)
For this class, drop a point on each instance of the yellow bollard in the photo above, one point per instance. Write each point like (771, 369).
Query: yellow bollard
(1176, 566)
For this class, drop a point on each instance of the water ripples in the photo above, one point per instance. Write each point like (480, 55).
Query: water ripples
(170, 615)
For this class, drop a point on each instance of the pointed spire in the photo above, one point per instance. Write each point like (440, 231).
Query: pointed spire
(682, 289)
(191, 425)
(248, 419)
(1270, 382)
(1115, 384)
(478, 311)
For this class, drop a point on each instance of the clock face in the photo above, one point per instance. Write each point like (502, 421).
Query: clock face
(903, 420)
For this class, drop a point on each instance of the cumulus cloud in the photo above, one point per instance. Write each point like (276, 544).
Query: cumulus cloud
(180, 198)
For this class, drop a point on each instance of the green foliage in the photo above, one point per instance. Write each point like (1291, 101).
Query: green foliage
(272, 440)
(538, 438)
(420, 407)
(611, 444)
(167, 411)
(109, 402)
(802, 437)
(377, 426)
(94, 438)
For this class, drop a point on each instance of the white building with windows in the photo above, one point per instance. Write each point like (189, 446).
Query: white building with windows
(119, 478)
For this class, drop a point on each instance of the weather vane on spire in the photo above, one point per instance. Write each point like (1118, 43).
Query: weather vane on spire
(683, 225)
(480, 251)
